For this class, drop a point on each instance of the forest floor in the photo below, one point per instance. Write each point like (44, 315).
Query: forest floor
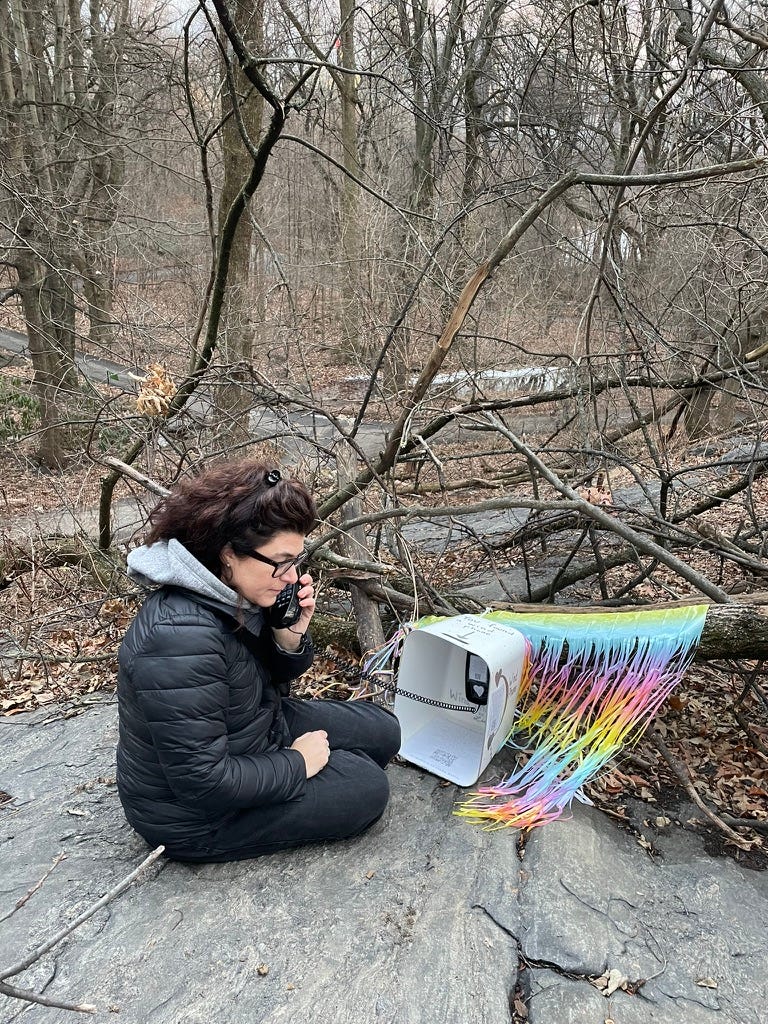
(65, 630)
(60, 627)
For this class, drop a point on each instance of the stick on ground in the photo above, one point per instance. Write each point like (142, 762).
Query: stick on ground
(40, 951)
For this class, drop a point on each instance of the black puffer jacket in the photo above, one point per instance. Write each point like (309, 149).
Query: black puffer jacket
(201, 730)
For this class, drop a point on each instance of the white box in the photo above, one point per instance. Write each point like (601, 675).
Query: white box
(434, 663)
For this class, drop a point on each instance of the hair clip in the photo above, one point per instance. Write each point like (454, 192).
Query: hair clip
(273, 477)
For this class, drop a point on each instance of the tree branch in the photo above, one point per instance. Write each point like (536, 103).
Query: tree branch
(611, 522)
(683, 773)
(49, 944)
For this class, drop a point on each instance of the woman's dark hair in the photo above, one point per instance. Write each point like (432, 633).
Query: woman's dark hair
(243, 504)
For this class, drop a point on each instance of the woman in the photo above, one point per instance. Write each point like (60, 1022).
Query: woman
(214, 761)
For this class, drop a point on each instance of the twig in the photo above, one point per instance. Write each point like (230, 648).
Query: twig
(751, 684)
(354, 565)
(61, 659)
(134, 474)
(751, 734)
(32, 997)
(756, 826)
(683, 773)
(610, 522)
(48, 945)
(455, 511)
(639, 762)
(38, 885)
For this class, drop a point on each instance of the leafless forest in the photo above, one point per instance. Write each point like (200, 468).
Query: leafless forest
(490, 270)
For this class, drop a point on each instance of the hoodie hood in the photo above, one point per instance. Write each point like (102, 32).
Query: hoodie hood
(167, 563)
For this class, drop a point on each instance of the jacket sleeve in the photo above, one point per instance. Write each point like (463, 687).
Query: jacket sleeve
(180, 680)
(284, 666)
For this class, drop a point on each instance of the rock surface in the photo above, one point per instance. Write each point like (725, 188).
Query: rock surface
(425, 919)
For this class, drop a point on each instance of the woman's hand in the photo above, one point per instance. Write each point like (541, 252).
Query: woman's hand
(289, 639)
(313, 747)
(307, 602)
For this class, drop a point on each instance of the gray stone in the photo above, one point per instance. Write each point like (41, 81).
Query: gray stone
(422, 921)
(593, 899)
(558, 1000)
(410, 943)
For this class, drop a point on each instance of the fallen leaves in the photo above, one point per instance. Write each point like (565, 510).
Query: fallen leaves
(730, 773)
(611, 982)
(47, 683)
(60, 640)
(156, 390)
(520, 1008)
(599, 496)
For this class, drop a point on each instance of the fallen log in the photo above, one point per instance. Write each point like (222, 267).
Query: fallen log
(738, 630)
(25, 555)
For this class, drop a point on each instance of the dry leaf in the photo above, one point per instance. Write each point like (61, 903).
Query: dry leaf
(262, 969)
(616, 980)
(520, 1008)
(155, 391)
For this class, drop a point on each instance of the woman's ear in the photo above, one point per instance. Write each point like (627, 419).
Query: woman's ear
(225, 557)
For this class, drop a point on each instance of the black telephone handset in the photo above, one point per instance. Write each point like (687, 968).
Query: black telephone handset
(286, 610)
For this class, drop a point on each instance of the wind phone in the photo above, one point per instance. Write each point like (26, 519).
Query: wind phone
(456, 695)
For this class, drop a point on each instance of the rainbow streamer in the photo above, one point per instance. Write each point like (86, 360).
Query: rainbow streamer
(593, 684)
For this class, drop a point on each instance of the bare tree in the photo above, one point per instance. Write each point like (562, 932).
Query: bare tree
(242, 117)
(64, 110)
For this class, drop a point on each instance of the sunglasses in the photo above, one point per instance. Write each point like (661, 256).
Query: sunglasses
(281, 568)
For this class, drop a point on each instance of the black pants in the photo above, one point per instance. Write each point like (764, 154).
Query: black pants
(341, 801)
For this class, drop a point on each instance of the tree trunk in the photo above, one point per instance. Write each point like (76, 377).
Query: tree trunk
(353, 545)
(236, 342)
(61, 134)
(49, 312)
(750, 334)
(351, 304)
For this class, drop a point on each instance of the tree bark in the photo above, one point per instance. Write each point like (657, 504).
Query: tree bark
(353, 544)
(350, 227)
(242, 114)
(66, 115)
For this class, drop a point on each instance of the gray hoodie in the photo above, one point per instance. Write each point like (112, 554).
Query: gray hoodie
(168, 563)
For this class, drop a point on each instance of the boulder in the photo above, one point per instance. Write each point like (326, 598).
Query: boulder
(424, 920)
